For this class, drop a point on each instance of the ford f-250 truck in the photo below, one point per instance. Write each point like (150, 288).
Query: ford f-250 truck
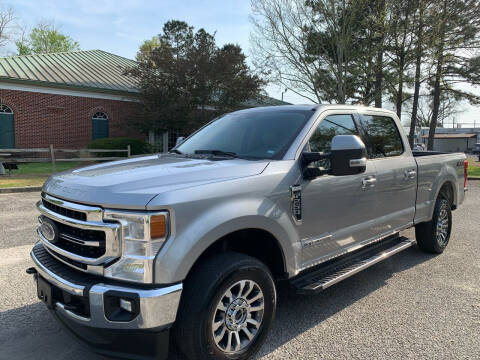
(190, 245)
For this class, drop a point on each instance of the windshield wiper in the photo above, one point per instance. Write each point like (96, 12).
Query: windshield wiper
(217, 152)
(176, 151)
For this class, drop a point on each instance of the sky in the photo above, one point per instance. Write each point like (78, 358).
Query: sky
(120, 26)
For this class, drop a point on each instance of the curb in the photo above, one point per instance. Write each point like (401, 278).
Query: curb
(20, 189)
(473, 178)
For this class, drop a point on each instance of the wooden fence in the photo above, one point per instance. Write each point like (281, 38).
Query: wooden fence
(7, 155)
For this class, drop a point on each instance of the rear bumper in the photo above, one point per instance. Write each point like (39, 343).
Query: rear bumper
(81, 303)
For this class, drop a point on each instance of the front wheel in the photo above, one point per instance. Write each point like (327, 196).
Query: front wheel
(433, 236)
(227, 308)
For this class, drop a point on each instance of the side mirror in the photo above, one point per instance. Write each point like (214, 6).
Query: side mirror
(179, 140)
(348, 155)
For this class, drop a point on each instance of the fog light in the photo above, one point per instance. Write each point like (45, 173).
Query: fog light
(126, 305)
(121, 306)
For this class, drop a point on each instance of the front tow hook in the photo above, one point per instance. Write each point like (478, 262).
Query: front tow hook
(31, 271)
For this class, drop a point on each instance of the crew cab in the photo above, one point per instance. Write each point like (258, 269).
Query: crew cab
(189, 246)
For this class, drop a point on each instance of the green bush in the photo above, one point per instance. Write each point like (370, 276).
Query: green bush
(137, 147)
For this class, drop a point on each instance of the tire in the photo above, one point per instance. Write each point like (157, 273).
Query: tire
(428, 239)
(200, 309)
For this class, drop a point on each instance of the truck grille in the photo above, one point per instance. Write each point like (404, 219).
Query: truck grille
(64, 211)
(80, 241)
(82, 237)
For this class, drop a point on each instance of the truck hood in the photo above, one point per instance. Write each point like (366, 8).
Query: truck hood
(132, 183)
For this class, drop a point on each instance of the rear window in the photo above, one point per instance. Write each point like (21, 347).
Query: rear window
(381, 136)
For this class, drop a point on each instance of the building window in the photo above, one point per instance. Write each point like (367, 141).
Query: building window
(100, 125)
(7, 128)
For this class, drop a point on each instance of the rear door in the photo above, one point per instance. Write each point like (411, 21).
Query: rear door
(396, 177)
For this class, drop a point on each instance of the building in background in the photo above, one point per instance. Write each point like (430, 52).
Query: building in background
(452, 139)
(68, 99)
(64, 99)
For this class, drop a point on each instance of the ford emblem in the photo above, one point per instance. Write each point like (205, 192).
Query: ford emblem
(48, 230)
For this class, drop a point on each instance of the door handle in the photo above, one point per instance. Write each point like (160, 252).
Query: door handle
(410, 174)
(368, 182)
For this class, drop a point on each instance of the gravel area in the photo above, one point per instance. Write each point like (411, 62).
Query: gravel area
(411, 306)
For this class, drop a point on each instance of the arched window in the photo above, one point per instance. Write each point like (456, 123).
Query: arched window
(100, 125)
(7, 128)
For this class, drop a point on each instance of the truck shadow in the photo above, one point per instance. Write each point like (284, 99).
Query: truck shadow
(30, 332)
(298, 313)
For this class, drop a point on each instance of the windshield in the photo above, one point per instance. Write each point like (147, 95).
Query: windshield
(257, 134)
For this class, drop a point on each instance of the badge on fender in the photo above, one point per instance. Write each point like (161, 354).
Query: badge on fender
(296, 200)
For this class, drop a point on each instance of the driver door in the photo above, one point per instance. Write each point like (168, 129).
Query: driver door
(337, 210)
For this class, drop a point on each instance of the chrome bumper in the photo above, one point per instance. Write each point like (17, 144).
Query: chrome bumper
(158, 307)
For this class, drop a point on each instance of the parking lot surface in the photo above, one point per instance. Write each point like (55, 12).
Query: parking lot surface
(411, 306)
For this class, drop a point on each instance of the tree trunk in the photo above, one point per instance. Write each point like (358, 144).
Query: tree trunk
(400, 86)
(418, 69)
(379, 57)
(379, 78)
(438, 77)
(340, 63)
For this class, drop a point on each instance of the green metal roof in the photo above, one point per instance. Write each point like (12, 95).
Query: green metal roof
(265, 101)
(95, 70)
(91, 70)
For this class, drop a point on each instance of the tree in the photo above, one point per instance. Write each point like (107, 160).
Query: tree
(45, 38)
(279, 43)
(7, 16)
(399, 48)
(456, 36)
(420, 46)
(323, 50)
(186, 76)
(147, 47)
(449, 108)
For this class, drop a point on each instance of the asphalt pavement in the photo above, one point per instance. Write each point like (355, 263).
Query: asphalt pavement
(411, 306)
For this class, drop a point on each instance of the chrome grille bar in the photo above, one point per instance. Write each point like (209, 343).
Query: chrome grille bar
(79, 241)
(92, 213)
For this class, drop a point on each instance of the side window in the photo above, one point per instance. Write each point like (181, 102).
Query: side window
(381, 136)
(329, 127)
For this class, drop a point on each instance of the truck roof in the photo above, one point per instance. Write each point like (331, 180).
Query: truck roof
(315, 107)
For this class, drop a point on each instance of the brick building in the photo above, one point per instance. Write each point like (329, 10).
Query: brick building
(64, 99)
(68, 99)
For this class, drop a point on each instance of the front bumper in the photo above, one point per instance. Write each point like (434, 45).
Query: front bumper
(156, 311)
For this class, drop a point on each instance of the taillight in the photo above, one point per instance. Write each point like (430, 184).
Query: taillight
(465, 173)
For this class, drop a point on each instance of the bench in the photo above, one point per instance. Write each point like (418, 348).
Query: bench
(7, 165)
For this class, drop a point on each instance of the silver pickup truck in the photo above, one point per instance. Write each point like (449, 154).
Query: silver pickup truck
(187, 248)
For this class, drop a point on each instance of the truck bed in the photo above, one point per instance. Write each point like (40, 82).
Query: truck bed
(433, 170)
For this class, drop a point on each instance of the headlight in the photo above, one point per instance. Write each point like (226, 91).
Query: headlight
(143, 236)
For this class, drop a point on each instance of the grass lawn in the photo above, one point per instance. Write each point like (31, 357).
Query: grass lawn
(10, 181)
(35, 174)
(473, 171)
(45, 168)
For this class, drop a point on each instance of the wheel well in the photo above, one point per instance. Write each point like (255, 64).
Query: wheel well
(256, 243)
(446, 191)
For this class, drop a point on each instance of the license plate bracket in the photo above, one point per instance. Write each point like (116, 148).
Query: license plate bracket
(44, 292)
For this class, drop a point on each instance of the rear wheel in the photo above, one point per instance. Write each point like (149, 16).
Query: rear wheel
(433, 236)
(227, 308)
